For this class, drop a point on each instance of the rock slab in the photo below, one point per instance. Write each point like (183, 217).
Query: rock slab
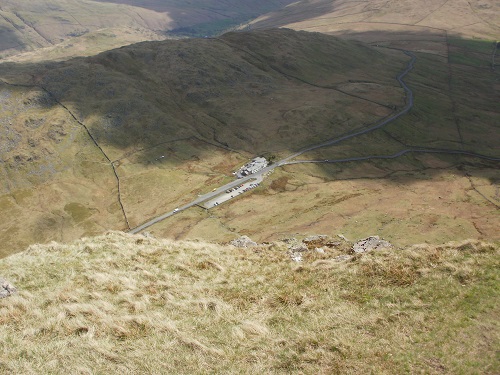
(243, 241)
(6, 288)
(369, 244)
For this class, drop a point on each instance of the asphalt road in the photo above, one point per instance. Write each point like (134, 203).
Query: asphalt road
(197, 201)
(406, 109)
(242, 188)
(288, 160)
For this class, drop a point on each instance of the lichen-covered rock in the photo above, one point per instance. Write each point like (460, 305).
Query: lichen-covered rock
(243, 241)
(298, 248)
(6, 288)
(369, 244)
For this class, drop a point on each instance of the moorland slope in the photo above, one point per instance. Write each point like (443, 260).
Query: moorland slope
(135, 304)
(155, 123)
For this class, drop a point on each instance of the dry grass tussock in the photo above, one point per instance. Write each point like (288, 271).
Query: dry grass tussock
(132, 304)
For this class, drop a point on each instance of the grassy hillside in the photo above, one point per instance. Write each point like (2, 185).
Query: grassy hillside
(413, 198)
(205, 105)
(132, 304)
(110, 141)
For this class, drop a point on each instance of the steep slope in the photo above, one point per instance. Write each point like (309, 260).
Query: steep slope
(156, 123)
(111, 141)
(455, 83)
(132, 304)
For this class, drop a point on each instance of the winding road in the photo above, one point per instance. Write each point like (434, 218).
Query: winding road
(288, 160)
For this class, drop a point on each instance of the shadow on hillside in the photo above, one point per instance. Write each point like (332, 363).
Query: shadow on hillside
(9, 39)
(137, 98)
(188, 14)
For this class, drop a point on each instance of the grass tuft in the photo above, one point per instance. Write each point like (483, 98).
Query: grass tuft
(122, 303)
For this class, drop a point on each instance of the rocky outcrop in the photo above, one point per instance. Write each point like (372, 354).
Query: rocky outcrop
(243, 241)
(298, 248)
(369, 244)
(6, 288)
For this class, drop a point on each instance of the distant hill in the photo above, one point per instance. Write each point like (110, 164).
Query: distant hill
(66, 28)
(381, 20)
(135, 304)
(29, 26)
